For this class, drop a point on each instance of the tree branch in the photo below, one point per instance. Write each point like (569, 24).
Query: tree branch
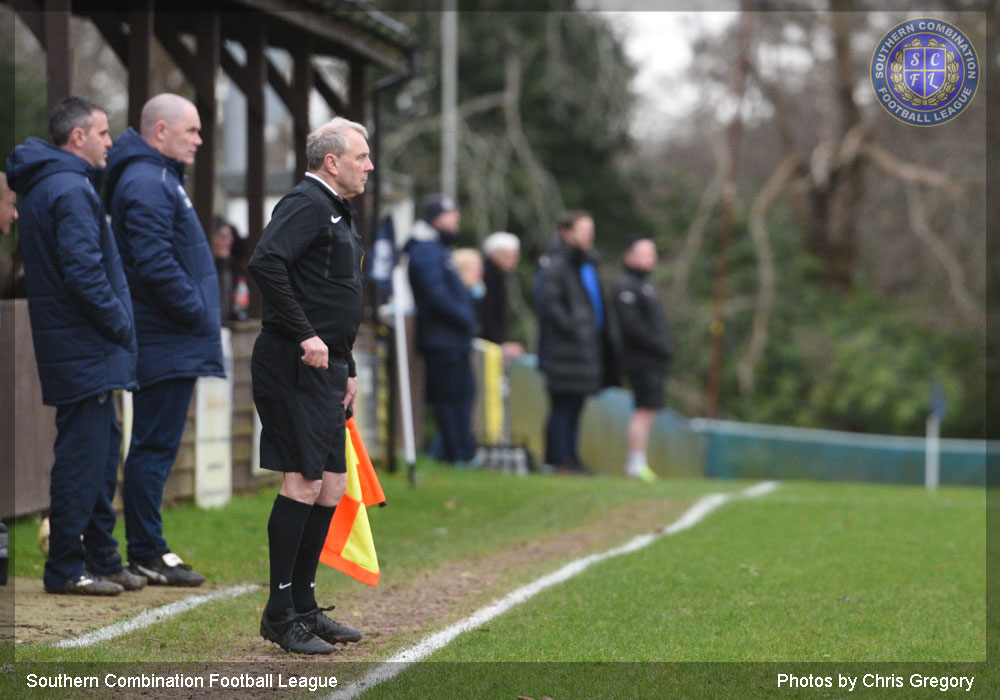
(963, 299)
(910, 172)
(694, 236)
(766, 276)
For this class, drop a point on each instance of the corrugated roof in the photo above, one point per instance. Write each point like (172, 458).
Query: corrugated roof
(363, 15)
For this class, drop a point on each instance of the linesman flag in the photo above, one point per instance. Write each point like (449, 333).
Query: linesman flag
(349, 547)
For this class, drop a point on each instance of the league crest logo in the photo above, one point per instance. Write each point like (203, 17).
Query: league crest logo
(925, 72)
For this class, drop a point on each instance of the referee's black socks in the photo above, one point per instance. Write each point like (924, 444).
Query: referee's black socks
(310, 547)
(284, 533)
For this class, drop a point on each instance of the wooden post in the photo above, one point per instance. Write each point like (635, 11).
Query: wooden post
(256, 155)
(357, 100)
(58, 60)
(302, 80)
(140, 42)
(209, 41)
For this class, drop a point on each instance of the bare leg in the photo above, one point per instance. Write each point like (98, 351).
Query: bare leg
(638, 429)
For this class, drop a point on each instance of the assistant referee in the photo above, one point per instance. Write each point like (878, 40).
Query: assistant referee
(308, 268)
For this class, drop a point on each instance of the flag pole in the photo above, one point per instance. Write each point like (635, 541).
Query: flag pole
(932, 460)
(403, 371)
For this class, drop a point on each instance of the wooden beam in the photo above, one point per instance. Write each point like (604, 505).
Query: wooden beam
(357, 96)
(281, 87)
(256, 71)
(327, 92)
(231, 67)
(110, 27)
(303, 82)
(337, 37)
(167, 32)
(140, 45)
(209, 40)
(30, 12)
(58, 60)
(357, 100)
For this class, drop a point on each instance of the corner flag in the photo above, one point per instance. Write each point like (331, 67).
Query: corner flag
(349, 547)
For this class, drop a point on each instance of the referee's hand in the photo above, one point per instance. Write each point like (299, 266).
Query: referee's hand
(315, 353)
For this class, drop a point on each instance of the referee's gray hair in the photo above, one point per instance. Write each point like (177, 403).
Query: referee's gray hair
(330, 138)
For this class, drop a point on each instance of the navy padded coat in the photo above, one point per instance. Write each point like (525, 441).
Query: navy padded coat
(168, 263)
(446, 314)
(78, 299)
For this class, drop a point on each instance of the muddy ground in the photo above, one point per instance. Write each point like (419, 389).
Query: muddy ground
(396, 615)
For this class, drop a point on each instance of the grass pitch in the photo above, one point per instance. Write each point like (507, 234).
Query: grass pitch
(815, 576)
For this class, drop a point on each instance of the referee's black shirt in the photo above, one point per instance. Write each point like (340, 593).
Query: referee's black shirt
(308, 268)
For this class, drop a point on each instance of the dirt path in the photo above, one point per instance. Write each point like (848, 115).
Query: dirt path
(41, 617)
(400, 614)
(393, 616)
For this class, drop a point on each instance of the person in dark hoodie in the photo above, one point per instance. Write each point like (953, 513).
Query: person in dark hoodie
(84, 337)
(647, 348)
(446, 324)
(581, 341)
(175, 292)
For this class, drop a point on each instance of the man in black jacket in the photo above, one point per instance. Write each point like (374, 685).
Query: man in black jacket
(580, 337)
(308, 267)
(647, 348)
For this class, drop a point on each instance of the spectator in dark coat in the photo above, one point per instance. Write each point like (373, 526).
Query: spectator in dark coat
(578, 355)
(175, 292)
(223, 237)
(647, 348)
(502, 251)
(446, 324)
(84, 338)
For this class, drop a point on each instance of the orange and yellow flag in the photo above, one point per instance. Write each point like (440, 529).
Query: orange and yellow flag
(349, 546)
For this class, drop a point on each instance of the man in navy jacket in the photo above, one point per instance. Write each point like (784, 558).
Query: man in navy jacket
(175, 291)
(446, 324)
(84, 337)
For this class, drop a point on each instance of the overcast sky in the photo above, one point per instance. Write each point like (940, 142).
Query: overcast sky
(659, 44)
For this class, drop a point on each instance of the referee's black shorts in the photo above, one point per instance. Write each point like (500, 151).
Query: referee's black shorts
(301, 409)
(647, 387)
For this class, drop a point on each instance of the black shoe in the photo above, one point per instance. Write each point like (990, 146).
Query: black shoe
(166, 570)
(290, 634)
(124, 578)
(87, 585)
(327, 629)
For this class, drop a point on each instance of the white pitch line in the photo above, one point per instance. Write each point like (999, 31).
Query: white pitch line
(395, 665)
(150, 617)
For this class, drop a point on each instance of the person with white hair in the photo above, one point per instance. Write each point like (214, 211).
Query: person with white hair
(502, 251)
(308, 268)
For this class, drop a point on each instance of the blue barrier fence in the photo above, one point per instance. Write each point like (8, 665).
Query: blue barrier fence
(726, 449)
